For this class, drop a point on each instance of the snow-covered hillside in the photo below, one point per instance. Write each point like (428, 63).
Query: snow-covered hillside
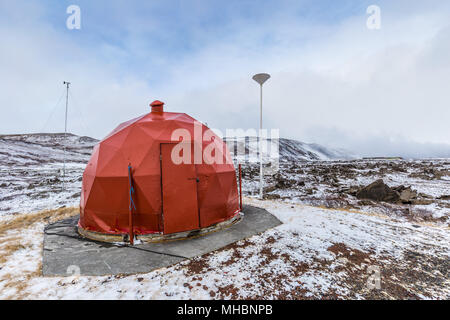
(31, 176)
(286, 149)
(43, 148)
(318, 252)
(31, 171)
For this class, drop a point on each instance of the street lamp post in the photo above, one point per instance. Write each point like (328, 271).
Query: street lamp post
(260, 78)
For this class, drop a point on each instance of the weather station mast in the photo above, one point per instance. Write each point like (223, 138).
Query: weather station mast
(65, 132)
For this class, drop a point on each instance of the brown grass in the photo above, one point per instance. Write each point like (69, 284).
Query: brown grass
(6, 240)
(10, 248)
(19, 285)
(9, 244)
(26, 220)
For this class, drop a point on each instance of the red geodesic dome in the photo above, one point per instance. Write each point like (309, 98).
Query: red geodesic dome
(169, 197)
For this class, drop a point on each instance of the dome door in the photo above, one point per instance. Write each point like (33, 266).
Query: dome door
(179, 193)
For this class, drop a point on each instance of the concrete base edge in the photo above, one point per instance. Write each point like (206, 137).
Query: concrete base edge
(159, 237)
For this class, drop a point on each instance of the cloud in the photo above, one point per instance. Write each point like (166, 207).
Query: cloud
(378, 145)
(333, 81)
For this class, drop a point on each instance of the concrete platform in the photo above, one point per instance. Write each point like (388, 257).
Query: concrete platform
(65, 252)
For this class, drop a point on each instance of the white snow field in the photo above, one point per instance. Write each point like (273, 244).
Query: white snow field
(31, 171)
(353, 250)
(317, 253)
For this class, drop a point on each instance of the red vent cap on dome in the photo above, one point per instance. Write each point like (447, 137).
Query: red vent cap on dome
(157, 106)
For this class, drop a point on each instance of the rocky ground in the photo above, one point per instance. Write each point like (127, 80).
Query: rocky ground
(31, 171)
(316, 253)
(352, 229)
(417, 190)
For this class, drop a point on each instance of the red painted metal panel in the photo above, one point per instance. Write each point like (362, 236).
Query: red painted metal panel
(179, 188)
(105, 194)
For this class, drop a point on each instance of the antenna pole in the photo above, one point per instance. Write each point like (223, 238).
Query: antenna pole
(261, 183)
(65, 132)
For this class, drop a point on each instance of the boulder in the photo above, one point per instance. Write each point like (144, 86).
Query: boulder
(422, 202)
(408, 194)
(272, 196)
(378, 191)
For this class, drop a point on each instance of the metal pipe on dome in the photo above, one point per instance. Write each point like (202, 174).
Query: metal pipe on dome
(240, 187)
(130, 207)
(157, 106)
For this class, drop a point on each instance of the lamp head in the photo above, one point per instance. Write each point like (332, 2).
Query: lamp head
(261, 77)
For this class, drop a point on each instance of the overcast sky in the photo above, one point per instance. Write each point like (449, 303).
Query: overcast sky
(334, 81)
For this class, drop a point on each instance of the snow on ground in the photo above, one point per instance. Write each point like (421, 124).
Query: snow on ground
(345, 252)
(334, 184)
(315, 253)
(31, 177)
(31, 171)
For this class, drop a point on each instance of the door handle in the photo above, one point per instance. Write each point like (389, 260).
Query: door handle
(196, 179)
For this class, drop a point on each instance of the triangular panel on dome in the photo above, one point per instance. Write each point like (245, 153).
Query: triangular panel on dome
(111, 162)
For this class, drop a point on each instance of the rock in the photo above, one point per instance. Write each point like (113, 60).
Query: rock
(53, 180)
(422, 202)
(343, 260)
(408, 194)
(378, 191)
(419, 175)
(301, 183)
(426, 196)
(272, 196)
(270, 189)
(365, 203)
(282, 182)
(399, 188)
(76, 195)
(353, 190)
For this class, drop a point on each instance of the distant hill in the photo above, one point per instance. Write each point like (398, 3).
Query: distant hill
(289, 150)
(40, 148)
